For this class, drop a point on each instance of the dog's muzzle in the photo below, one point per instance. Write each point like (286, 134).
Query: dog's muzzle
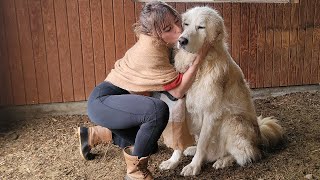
(183, 41)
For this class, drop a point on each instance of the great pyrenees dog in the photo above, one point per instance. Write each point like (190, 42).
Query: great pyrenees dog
(221, 113)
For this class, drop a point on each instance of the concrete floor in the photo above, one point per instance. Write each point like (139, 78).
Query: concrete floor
(72, 108)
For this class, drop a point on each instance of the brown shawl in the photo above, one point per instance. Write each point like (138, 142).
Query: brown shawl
(144, 67)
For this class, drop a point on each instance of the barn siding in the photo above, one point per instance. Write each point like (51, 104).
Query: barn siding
(58, 50)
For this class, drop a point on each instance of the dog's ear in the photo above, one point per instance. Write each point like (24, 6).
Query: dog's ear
(216, 28)
(221, 32)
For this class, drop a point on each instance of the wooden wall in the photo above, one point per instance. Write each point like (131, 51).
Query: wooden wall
(58, 50)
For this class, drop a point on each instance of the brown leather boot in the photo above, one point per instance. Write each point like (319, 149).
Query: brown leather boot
(136, 168)
(92, 136)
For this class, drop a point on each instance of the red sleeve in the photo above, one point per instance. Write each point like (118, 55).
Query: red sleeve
(174, 83)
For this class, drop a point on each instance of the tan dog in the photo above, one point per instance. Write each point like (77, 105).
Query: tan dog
(222, 116)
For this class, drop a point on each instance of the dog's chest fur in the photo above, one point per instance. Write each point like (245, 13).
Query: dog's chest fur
(203, 92)
(204, 89)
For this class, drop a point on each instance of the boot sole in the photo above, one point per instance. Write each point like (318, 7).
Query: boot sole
(80, 144)
(82, 147)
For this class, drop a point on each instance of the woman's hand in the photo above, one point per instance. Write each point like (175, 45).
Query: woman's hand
(190, 74)
(202, 53)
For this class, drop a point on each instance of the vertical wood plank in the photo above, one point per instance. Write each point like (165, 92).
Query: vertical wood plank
(206, 4)
(97, 36)
(285, 46)
(316, 45)
(181, 7)
(261, 44)
(64, 50)
(219, 8)
(26, 52)
(172, 4)
(235, 28)
(293, 60)
(278, 16)
(253, 33)
(39, 51)
(108, 31)
(269, 46)
(13, 46)
(301, 41)
(119, 28)
(86, 42)
(191, 5)
(138, 7)
(129, 15)
(50, 34)
(244, 36)
(137, 10)
(75, 50)
(307, 76)
(6, 93)
(227, 16)
(3, 50)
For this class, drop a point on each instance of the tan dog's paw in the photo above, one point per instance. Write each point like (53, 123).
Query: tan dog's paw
(190, 170)
(190, 151)
(223, 162)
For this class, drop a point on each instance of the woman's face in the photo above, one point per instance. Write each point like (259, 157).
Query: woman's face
(171, 30)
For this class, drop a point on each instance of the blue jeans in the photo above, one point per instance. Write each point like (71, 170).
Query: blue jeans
(133, 119)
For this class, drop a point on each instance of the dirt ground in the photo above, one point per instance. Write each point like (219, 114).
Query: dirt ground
(47, 148)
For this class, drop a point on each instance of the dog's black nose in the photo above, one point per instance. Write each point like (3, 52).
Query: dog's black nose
(183, 41)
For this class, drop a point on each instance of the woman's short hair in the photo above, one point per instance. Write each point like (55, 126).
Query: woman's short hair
(153, 18)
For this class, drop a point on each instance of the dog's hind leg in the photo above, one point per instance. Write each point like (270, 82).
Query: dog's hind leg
(241, 139)
(223, 162)
(190, 151)
(245, 153)
(173, 162)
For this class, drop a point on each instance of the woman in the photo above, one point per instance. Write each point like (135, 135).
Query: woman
(119, 105)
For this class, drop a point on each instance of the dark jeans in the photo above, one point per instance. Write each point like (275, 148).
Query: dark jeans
(133, 119)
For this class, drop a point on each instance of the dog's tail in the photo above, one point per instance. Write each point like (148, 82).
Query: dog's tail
(271, 131)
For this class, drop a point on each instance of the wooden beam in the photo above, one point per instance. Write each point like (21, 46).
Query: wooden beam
(228, 1)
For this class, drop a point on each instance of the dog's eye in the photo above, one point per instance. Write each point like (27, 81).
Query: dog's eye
(201, 27)
(186, 24)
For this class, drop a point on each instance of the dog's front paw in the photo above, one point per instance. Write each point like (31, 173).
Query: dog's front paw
(168, 164)
(190, 170)
(190, 151)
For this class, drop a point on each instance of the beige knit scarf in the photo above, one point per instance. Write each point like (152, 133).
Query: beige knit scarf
(144, 67)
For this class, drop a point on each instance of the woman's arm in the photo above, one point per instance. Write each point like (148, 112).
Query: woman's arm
(189, 76)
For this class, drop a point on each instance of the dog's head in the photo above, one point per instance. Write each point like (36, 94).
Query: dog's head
(201, 25)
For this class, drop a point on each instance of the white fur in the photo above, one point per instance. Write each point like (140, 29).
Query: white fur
(173, 162)
(222, 114)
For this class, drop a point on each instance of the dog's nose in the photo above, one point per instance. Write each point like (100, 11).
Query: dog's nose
(183, 41)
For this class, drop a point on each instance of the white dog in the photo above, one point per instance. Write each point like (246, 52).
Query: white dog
(222, 116)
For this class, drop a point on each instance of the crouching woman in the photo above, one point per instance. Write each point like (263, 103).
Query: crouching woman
(120, 106)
